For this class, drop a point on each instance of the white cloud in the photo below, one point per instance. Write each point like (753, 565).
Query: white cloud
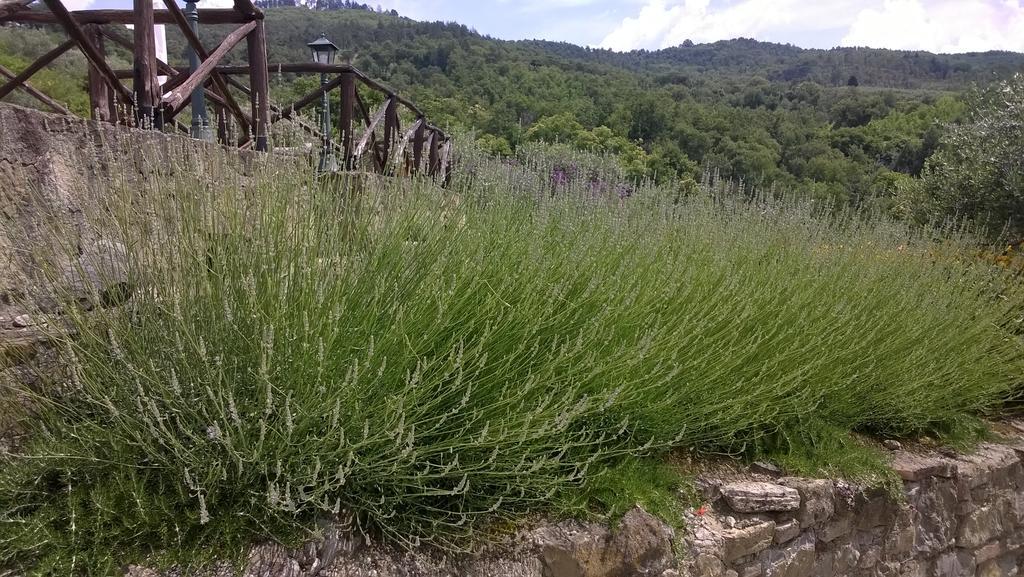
(937, 25)
(78, 4)
(662, 23)
(940, 26)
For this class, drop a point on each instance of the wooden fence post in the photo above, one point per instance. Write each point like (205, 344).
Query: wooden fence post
(390, 129)
(345, 116)
(101, 102)
(259, 84)
(434, 154)
(145, 86)
(417, 145)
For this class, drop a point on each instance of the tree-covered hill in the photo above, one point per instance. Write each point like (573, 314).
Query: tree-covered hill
(843, 124)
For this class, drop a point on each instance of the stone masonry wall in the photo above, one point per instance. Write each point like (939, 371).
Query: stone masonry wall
(959, 516)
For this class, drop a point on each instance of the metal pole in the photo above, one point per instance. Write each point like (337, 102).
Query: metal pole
(327, 162)
(200, 122)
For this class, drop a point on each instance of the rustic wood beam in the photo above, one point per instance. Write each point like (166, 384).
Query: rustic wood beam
(313, 67)
(309, 98)
(10, 7)
(206, 16)
(174, 98)
(446, 163)
(417, 145)
(278, 114)
(24, 85)
(145, 85)
(101, 105)
(248, 9)
(368, 135)
(76, 33)
(196, 44)
(390, 127)
(36, 66)
(434, 153)
(211, 95)
(364, 111)
(399, 154)
(259, 81)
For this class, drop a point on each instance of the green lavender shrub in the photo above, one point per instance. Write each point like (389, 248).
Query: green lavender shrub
(421, 362)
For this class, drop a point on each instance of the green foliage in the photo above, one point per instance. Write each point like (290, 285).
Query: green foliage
(978, 171)
(424, 362)
(63, 80)
(652, 483)
(766, 114)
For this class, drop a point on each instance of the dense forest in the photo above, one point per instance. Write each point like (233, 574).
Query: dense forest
(845, 124)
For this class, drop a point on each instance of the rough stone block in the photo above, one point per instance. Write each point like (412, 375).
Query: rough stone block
(844, 558)
(989, 552)
(954, 565)
(797, 560)
(914, 467)
(708, 566)
(874, 510)
(914, 568)
(899, 540)
(869, 557)
(987, 464)
(936, 525)
(834, 530)
(743, 541)
(980, 527)
(753, 569)
(755, 497)
(817, 499)
(786, 532)
(640, 545)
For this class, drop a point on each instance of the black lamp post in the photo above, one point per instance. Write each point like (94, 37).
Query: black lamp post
(323, 52)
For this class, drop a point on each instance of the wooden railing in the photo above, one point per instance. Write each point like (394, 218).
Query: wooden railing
(370, 140)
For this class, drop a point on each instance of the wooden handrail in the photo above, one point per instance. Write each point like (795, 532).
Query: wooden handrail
(176, 97)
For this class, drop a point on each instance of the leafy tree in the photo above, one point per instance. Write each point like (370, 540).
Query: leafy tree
(978, 170)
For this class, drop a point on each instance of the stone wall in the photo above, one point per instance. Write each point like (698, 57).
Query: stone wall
(54, 167)
(958, 516)
(53, 170)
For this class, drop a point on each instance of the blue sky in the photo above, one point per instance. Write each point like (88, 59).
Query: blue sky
(934, 25)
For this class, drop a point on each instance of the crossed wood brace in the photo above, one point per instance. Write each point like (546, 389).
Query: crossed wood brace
(382, 147)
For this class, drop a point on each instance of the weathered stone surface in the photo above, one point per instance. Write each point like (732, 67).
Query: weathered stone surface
(936, 523)
(817, 499)
(899, 540)
(988, 463)
(914, 467)
(835, 529)
(755, 497)
(708, 566)
(786, 532)
(22, 321)
(980, 527)
(954, 565)
(743, 541)
(989, 552)
(796, 560)
(641, 545)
